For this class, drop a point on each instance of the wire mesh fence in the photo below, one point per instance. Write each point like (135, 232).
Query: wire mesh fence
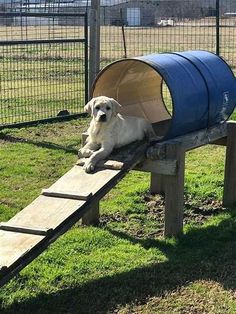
(43, 46)
(43, 61)
(138, 27)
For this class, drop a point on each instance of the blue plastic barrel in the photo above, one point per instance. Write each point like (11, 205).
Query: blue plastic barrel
(201, 90)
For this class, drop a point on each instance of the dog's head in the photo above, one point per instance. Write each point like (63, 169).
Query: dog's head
(102, 108)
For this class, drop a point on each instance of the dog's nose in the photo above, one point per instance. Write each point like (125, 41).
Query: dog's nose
(103, 117)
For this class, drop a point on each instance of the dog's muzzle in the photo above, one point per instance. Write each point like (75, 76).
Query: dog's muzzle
(102, 118)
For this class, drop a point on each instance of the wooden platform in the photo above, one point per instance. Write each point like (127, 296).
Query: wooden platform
(51, 214)
(171, 183)
(76, 195)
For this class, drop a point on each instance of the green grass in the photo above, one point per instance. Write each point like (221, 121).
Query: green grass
(124, 265)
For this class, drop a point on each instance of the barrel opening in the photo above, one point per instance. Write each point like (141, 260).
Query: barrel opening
(141, 91)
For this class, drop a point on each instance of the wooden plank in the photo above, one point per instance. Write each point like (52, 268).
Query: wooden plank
(22, 229)
(65, 194)
(77, 182)
(166, 167)
(174, 192)
(46, 212)
(216, 132)
(19, 249)
(50, 212)
(221, 141)
(229, 195)
(14, 245)
(189, 141)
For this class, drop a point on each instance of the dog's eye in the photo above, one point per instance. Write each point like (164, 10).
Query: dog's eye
(97, 108)
(108, 108)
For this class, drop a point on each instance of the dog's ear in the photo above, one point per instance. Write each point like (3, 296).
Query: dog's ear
(115, 105)
(88, 106)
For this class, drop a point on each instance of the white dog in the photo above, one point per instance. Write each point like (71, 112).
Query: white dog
(109, 129)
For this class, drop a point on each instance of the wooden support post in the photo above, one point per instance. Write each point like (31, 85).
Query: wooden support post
(94, 43)
(229, 196)
(174, 191)
(157, 185)
(91, 217)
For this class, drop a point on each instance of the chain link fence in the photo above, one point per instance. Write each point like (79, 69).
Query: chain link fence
(43, 61)
(138, 27)
(43, 46)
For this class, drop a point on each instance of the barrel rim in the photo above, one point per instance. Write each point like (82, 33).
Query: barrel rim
(136, 59)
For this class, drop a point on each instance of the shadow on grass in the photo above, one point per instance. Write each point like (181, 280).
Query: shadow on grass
(207, 253)
(42, 144)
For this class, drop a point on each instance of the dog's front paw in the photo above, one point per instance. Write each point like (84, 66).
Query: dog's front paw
(89, 167)
(84, 153)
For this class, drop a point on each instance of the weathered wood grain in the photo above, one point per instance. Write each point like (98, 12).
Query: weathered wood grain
(157, 184)
(166, 167)
(174, 192)
(14, 245)
(46, 212)
(189, 141)
(77, 182)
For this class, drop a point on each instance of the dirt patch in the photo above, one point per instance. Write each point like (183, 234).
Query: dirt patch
(109, 218)
(194, 212)
(2, 142)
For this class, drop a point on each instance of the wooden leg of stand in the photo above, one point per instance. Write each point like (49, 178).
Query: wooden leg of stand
(91, 217)
(229, 197)
(157, 184)
(174, 192)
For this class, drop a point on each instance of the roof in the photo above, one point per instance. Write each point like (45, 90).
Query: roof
(62, 3)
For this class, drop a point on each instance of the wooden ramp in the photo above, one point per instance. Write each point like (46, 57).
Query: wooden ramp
(29, 232)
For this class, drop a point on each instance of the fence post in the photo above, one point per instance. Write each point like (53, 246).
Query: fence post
(218, 27)
(94, 41)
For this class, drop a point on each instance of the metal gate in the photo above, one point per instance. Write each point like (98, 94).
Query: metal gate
(43, 66)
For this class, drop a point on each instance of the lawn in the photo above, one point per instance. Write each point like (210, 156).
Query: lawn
(124, 265)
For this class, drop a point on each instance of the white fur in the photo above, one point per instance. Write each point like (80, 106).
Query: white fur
(109, 129)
